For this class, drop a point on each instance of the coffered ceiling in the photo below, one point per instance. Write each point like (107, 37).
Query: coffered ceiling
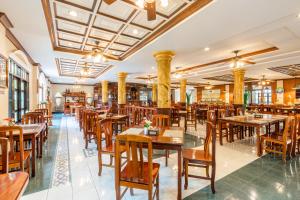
(122, 28)
(74, 68)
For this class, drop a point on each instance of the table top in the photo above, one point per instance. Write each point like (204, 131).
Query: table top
(114, 117)
(12, 185)
(171, 136)
(250, 119)
(32, 128)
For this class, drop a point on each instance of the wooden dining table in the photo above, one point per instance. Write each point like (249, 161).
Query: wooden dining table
(116, 118)
(34, 132)
(167, 139)
(251, 121)
(13, 185)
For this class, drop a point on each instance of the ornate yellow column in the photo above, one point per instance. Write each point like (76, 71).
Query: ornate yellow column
(163, 59)
(154, 93)
(183, 91)
(122, 88)
(104, 85)
(238, 91)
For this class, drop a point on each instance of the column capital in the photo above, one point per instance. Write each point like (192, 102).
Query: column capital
(162, 55)
(239, 70)
(122, 75)
(104, 81)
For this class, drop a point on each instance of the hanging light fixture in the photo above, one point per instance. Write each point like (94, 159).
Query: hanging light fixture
(85, 71)
(208, 86)
(263, 81)
(97, 54)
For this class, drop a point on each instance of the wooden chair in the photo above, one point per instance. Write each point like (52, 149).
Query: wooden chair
(296, 139)
(162, 122)
(191, 119)
(280, 143)
(18, 158)
(36, 118)
(202, 158)
(222, 127)
(4, 154)
(137, 173)
(105, 133)
(175, 117)
(89, 126)
(81, 114)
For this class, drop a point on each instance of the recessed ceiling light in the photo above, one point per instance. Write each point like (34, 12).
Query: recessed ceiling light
(153, 68)
(73, 13)
(114, 53)
(206, 49)
(135, 31)
(70, 44)
(298, 15)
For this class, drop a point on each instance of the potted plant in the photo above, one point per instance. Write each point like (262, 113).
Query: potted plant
(147, 125)
(188, 101)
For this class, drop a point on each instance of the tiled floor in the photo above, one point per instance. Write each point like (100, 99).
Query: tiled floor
(234, 160)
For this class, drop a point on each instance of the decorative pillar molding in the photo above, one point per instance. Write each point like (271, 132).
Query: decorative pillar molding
(163, 59)
(122, 88)
(154, 93)
(104, 87)
(183, 91)
(238, 91)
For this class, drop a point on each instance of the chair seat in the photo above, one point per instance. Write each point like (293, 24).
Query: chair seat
(16, 161)
(275, 138)
(196, 155)
(127, 173)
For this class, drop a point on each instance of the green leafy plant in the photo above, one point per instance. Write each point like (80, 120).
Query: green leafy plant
(188, 98)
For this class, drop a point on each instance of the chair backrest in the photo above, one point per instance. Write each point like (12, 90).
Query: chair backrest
(239, 111)
(134, 145)
(10, 132)
(42, 110)
(211, 116)
(289, 128)
(297, 124)
(210, 139)
(33, 118)
(90, 121)
(104, 128)
(4, 154)
(161, 121)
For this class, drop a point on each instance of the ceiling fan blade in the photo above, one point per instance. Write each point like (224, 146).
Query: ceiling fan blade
(109, 1)
(248, 62)
(151, 10)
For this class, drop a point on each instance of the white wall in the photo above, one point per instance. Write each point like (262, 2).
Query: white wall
(61, 88)
(8, 50)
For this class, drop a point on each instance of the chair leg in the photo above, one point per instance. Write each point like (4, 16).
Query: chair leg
(213, 174)
(99, 163)
(111, 160)
(207, 170)
(167, 155)
(149, 194)
(157, 187)
(284, 150)
(186, 175)
(118, 193)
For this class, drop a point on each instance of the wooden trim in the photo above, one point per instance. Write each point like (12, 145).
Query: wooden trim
(72, 84)
(254, 53)
(5, 21)
(18, 45)
(197, 5)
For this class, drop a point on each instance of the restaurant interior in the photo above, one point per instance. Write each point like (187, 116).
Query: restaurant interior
(149, 99)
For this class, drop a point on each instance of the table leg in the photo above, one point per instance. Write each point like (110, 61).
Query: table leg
(231, 133)
(41, 144)
(179, 195)
(220, 133)
(33, 156)
(258, 145)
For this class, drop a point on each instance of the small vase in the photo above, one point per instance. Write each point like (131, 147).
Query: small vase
(145, 131)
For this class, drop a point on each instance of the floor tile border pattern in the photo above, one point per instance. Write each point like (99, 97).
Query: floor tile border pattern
(61, 174)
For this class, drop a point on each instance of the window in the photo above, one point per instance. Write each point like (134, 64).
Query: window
(261, 95)
(18, 91)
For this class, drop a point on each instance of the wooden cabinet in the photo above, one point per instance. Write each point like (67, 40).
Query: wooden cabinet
(73, 99)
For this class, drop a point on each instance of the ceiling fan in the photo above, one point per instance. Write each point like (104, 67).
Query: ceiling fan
(238, 61)
(149, 5)
(97, 54)
(148, 78)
